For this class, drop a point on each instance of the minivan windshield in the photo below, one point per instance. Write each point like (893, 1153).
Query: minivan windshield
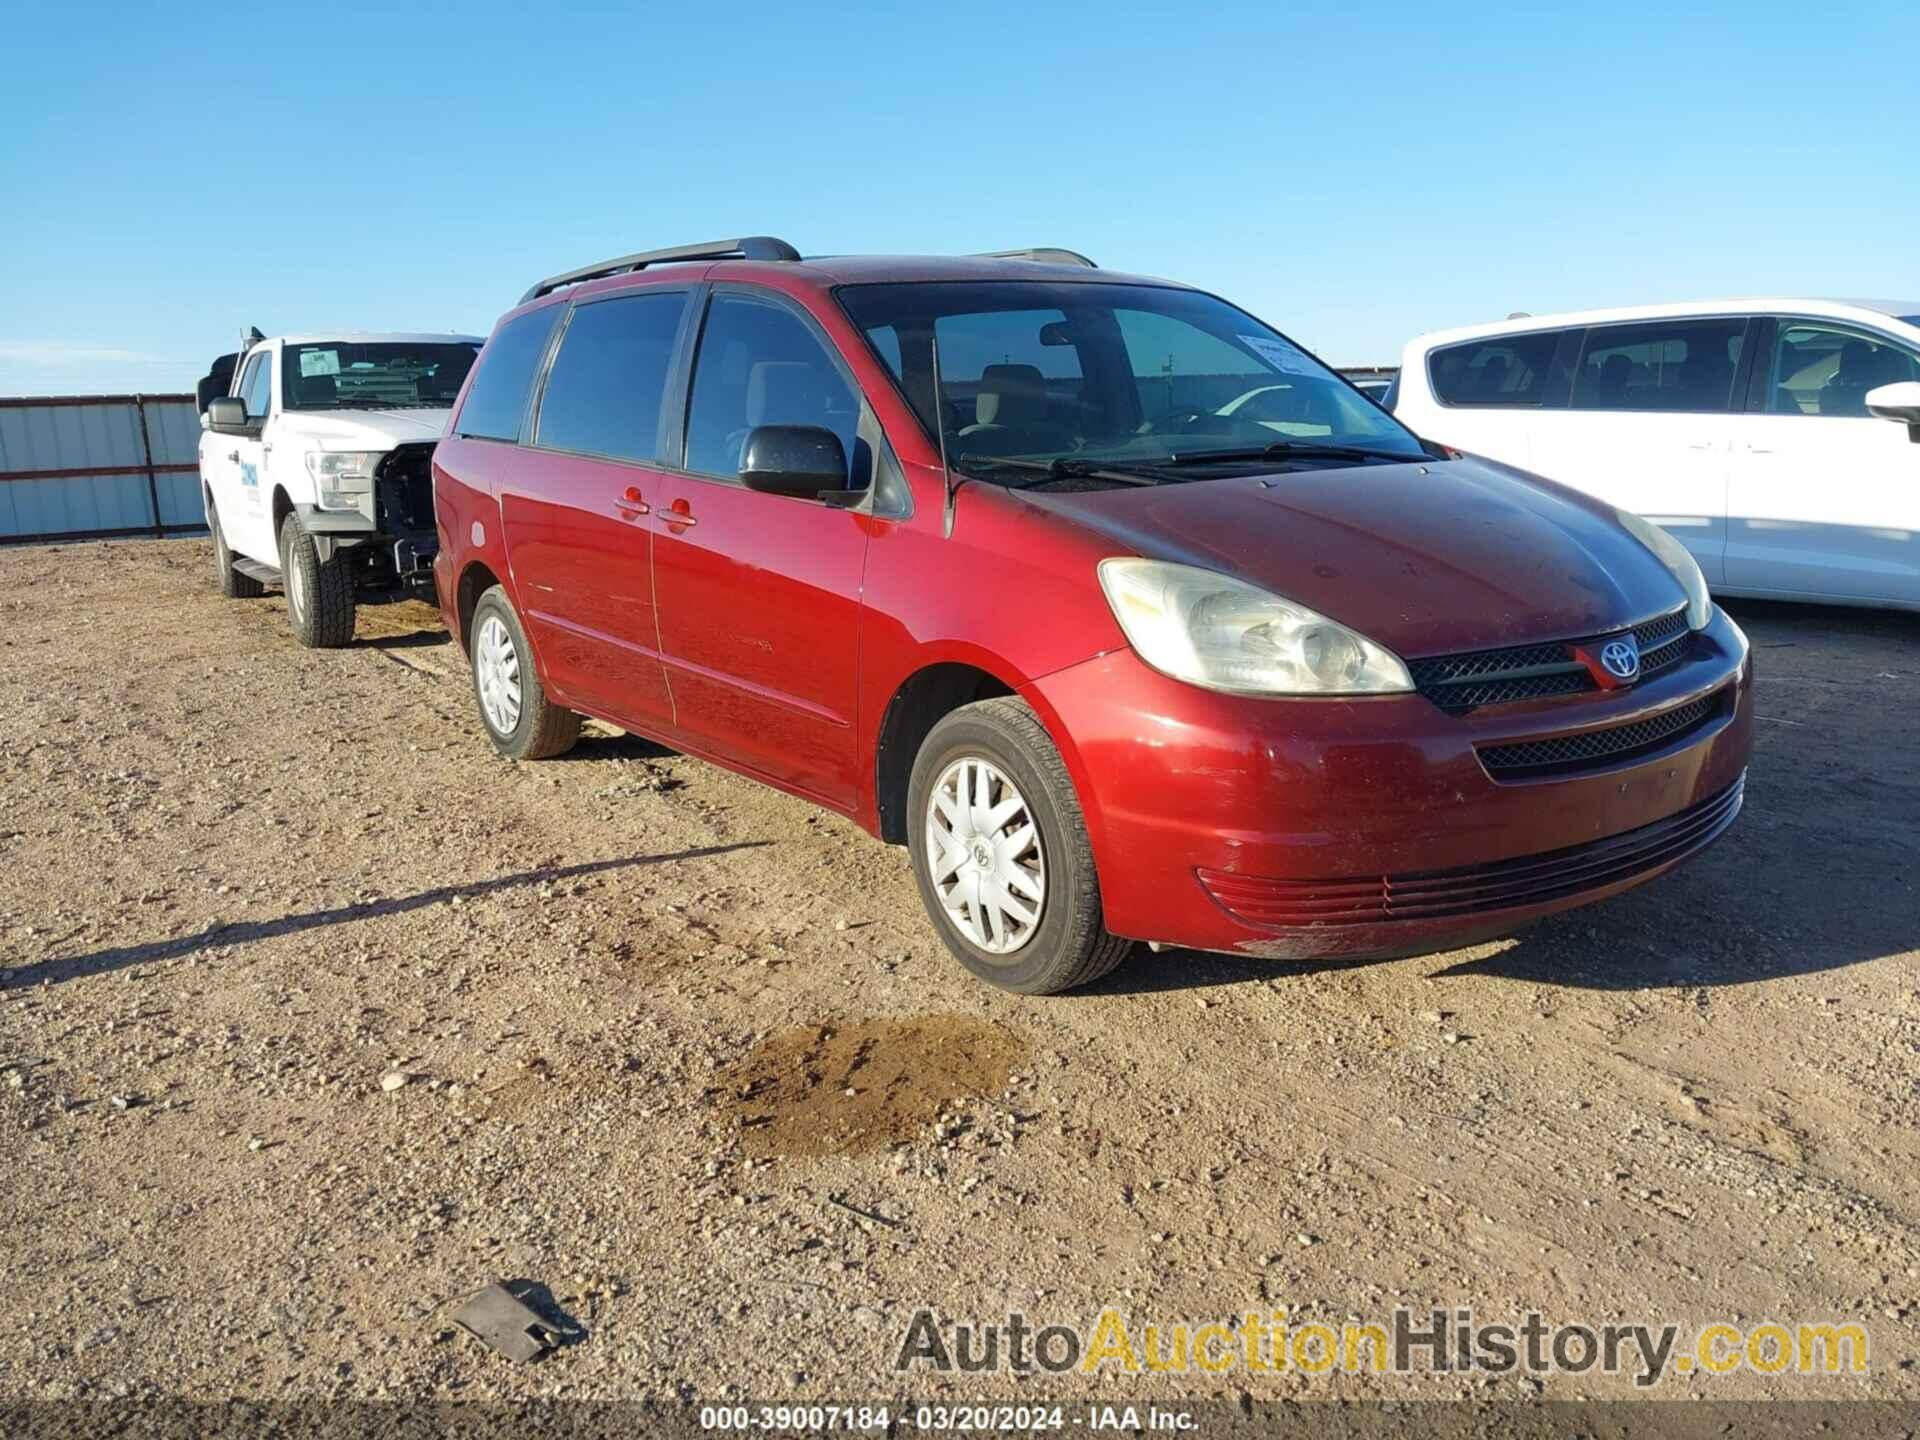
(375, 374)
(1066, 377)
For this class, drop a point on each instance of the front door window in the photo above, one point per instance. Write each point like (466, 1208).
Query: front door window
(1827, 370)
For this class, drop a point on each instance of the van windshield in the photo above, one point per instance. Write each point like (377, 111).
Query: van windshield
(374, 374)
(1127, 375)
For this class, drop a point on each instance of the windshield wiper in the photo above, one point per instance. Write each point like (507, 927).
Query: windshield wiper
(1064, 467)
(1291, 450)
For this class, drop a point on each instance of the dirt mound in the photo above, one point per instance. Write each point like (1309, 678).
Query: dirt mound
(849, 1088)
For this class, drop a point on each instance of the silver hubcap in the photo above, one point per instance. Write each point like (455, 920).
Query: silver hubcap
(983, 851)
(496, 668)
(296, 586)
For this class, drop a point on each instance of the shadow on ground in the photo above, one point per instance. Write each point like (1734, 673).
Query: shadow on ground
(77, 967)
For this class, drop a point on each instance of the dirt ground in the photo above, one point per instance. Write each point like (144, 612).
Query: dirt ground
(686, 1053)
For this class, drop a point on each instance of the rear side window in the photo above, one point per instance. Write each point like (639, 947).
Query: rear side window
(609, 379)
(1685, 365)
(761, 365)
(497, 399)
(1500, 370)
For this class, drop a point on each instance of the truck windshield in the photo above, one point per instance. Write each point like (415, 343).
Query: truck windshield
(1082, 372)
(374, 374)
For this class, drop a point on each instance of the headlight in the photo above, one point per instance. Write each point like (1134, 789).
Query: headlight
(1217, 632)
(343, 478)
(1677, 558)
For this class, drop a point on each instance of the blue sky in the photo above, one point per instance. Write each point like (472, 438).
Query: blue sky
(1354, 173)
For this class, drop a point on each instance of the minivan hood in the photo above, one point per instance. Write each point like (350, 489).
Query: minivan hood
(369, 429)
(1425, 558)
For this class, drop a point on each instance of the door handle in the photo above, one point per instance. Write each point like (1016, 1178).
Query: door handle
(631, 504)
(234, 456)
(679, 515)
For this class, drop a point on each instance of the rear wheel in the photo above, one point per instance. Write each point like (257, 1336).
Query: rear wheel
(1001, 855)
(233, 584)
(521, 721)
(319, 593)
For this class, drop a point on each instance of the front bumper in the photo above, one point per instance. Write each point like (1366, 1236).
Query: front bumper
(1305, 828)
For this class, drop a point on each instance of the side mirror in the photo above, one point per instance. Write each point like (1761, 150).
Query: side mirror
(227, 415)
(1898, 402)
(800, 460)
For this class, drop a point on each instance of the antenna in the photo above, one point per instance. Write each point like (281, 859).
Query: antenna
(940, 430)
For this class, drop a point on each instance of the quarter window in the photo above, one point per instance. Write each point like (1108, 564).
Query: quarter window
(1826, 370)
(761, 365)
(497, 399)
(1684, 365)
(609, 379)
(1501, 370)
(256, 390)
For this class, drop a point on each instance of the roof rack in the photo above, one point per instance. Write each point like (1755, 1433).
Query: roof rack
(749, 247)
(1045, 254)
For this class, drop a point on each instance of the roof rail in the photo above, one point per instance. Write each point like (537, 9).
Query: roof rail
(1045, 254)
(749, 247)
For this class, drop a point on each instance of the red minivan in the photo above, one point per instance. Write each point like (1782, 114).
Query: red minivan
(1126, 615)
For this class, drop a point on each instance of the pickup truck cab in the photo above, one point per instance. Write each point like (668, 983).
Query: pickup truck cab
(315, 469)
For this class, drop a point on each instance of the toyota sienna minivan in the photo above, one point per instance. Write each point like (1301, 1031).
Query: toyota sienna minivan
(1127, 616)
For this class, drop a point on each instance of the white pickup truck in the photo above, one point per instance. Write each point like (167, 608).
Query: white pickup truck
(316, 469)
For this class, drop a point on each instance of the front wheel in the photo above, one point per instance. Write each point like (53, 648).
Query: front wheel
(1001, 855)
(521, 721)
(319, 593)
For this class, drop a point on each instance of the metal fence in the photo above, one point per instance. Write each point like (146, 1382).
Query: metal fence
(78, 467)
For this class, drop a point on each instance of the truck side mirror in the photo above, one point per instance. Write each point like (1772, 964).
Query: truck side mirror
(227, 415)
(799, 460)
(1898, 402)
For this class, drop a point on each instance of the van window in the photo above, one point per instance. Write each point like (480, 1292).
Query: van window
(609, 379)
(1500, 370)
(255, 389)
(1179, 368)
(761, 365)
(1035, 371)
(497, 399)
(1684, 365)
(1828, 370)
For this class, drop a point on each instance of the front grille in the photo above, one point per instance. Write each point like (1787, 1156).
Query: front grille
(1662, 642)
(1473, 889)
(1591, 748)
(405, 488)
(1459, 683)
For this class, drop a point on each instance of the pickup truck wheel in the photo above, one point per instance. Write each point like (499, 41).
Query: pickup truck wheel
(521, 721)
(1001, 855)
(233, 584)
(319, 595)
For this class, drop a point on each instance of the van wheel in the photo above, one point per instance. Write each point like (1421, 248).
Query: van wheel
(522, 723)
(319, 594)
(1000, 853)
(233, 584)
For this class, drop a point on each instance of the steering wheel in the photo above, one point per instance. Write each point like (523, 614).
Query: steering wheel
(1181, 416)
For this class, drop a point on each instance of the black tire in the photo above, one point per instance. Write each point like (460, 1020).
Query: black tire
(233, 584)
(543, 728)
(319, 596)
(1069, 944)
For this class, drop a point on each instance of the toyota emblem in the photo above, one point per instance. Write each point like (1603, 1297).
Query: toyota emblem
(1621, 658)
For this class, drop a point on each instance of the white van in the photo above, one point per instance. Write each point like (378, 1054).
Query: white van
(1757, 431)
